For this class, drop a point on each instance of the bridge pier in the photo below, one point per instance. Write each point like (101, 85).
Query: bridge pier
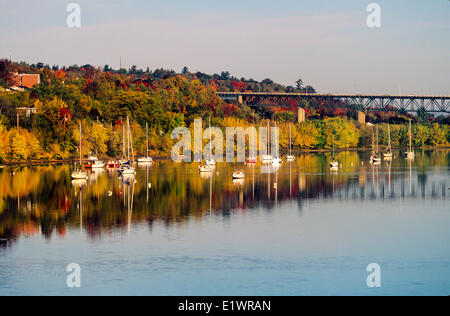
(301, 115)
(240, 99)
(361, 117)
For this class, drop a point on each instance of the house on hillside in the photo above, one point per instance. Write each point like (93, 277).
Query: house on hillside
(23, 81)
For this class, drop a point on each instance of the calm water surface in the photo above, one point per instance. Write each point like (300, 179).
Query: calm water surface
(301, 230)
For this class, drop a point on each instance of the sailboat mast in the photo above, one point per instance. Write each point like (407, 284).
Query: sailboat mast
(131, 142)
(373, 142)
(277, 154)
(377, 139)
(389, 137)
(124, 150)
(80, 145)
(334, 155)
(290, 140)
(410, 136)
(210, 139)
(128, 138)
(146, 128)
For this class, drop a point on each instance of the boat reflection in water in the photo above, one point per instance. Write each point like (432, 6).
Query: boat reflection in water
(172, 192)
(284, 230)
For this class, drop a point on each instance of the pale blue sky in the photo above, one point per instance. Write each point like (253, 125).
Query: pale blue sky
(324, 42)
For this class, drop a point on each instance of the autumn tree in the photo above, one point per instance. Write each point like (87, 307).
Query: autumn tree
(437, 135)
(6, 69)
(340, 132)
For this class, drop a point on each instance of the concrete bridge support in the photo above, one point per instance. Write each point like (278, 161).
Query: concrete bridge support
(301, 115)
(361, 117)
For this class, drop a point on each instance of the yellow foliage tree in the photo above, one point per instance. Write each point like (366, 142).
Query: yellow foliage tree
(23, 144)
(341, 132)
(306, 135)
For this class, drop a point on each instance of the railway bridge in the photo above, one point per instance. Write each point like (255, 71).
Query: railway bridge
(361, 102)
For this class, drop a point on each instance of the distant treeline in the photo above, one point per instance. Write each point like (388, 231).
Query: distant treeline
(101, 98)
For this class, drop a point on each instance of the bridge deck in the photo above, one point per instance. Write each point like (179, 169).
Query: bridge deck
(364, 102)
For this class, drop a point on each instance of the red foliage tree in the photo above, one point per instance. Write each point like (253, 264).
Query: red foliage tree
(239, 86)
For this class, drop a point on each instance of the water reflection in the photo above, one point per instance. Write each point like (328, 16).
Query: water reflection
(43, 200)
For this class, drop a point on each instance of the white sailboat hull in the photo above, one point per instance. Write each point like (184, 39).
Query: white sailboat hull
(277, 161)
(98, 165)
(238, 175)
(334, 164)
(210, 162)
(145, 160)
(79, 175)
(204, 169)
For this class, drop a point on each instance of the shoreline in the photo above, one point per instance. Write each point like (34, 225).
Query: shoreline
(42, 162)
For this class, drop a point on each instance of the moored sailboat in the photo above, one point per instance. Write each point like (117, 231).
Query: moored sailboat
(334, 164)
(210, 161)
(290, 157)
(147, 159)
(410, 154)
(375, 158)
(276, 158)
(79, 174)
(238, 174)
(267, 158)
(388, 154)
(128, 169)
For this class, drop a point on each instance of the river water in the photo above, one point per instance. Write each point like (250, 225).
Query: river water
(296, 230)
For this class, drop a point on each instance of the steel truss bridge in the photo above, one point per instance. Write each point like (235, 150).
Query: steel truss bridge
(367, 102)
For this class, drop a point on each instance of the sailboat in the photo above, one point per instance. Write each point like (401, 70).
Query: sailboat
(375, 158)
(210, 161)
(388, 154)
(206, 168)
(290, 157)
(410, 154)
(276, 159)
(79, 175)
(334, 164)
(124, 161)
(147, 159)
(238, 174)
(128, 169)
(251, 158)
(267, 158)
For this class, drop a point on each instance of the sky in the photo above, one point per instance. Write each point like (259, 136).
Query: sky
(326, 43)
